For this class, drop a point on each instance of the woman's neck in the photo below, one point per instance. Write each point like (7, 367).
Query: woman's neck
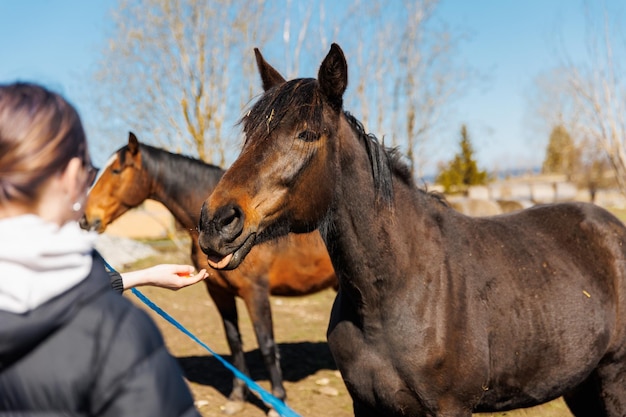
(8, 210)
(49, 206)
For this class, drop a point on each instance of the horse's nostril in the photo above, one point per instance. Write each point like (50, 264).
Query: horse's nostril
(229, 222)
(87, 225)
(227, 217)
(83, 222)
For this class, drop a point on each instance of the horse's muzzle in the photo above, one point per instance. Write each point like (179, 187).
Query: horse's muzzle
(86, 225)
(221, 236)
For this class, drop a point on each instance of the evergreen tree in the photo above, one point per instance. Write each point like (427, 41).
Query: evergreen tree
(463, 170)
(562, 156)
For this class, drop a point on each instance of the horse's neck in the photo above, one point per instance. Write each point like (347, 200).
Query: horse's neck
(372, 243)
(183, 191)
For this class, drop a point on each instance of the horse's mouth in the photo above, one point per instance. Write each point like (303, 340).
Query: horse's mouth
(233, 259)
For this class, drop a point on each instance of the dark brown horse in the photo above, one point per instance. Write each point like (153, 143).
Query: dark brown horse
(295, 266)
(437, 314)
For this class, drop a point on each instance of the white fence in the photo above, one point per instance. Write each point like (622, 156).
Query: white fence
(519, 193)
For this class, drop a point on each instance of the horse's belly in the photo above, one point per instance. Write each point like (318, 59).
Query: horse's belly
(536, 370)
(510, 397)
(521, 388)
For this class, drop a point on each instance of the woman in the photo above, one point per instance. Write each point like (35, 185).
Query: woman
(68, 344)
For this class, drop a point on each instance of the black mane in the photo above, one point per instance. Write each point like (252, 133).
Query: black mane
(161, 164)
(387, 163)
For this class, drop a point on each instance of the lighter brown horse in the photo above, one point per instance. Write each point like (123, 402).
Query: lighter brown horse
(297, 265)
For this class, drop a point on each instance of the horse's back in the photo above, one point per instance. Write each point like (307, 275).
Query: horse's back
(565, 247)
(588, 234)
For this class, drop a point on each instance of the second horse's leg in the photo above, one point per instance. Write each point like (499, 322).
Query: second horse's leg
(258, 304)
(226, 304)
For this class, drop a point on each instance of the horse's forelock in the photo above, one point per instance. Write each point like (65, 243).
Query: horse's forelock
(297, 99)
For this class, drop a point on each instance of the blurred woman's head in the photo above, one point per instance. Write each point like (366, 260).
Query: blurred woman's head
(41, 141)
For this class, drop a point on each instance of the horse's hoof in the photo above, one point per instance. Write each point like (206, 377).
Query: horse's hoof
(272, 413)
(232, 407)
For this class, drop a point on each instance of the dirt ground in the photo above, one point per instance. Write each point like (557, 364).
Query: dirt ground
(314, 386)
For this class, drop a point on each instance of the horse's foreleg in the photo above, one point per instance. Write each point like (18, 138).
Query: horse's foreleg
(585, 399)
(226, 304)
(603, 393)
(612, 376)
(258, 304)
(361, 410)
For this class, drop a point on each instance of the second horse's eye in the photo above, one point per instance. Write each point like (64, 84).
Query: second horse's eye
(308, 136)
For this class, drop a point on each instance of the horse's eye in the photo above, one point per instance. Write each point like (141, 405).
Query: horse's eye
(116, 171)
(308, 136)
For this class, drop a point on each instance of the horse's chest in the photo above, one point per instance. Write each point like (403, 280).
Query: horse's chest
(369, 374)
(391, 368)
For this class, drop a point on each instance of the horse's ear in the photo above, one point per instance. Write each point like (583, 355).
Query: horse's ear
(269, 76)
(133, 143)
(333, 76)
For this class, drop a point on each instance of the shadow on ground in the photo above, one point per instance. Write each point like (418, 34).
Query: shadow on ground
(298, 361)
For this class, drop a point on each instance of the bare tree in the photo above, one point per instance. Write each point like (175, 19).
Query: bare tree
(550, 104)
(588, 96)
(428, 80)
(599, 94)
(405, 75)
(293, 49)
(167, 72)
(180, 72)
(403, 72)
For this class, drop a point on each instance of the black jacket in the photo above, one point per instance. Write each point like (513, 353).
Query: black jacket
(88, 352)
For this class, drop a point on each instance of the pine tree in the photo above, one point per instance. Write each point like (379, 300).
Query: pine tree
(463, 170)
(562, 156)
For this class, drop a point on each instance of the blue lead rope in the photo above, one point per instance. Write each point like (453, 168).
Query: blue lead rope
(278, 405)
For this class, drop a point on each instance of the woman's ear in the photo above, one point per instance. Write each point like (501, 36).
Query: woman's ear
(73, 179)
(59, 195)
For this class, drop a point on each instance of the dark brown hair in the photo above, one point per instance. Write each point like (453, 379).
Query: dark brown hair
(40, 132)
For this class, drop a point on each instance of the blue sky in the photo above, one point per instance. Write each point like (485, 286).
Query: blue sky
(57, 42)
(53, 42)
(510, 43)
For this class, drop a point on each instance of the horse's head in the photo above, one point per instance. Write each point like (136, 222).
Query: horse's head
(283, 180)
(121, 186)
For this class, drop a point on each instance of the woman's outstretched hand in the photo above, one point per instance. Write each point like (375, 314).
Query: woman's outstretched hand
(170, 276)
